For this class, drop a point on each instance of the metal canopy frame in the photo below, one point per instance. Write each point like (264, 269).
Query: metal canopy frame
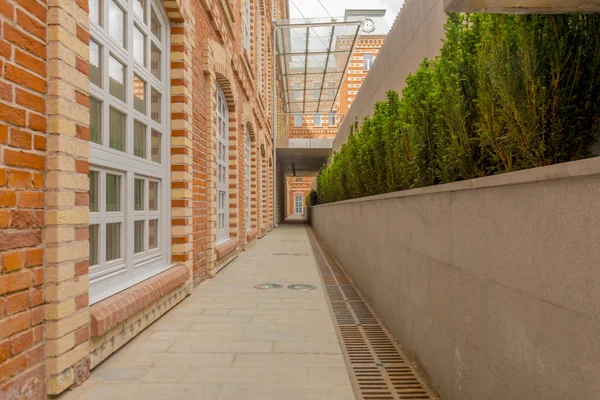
(314, 55)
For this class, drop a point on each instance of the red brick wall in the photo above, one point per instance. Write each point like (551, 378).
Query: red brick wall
(22, 165)
(297, 186)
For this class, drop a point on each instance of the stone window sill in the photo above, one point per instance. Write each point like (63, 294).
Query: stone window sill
(115, 309)
(225, 249)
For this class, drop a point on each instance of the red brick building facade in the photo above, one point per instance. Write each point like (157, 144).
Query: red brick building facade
(135, 162)
(297, 189)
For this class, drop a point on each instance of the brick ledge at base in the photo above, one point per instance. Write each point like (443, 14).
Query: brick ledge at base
(251, 234)
(117, 308)
(223, 250)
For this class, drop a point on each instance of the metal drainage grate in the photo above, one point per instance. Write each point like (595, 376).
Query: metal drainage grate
(377, 366)
(302, 287)
(265, 286)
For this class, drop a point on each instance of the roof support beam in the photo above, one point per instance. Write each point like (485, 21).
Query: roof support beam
(306, 65)
(523, 6)
(326, 65)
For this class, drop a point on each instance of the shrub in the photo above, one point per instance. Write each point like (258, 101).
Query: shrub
(507, 92)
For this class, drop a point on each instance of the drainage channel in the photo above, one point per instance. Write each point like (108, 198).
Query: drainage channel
(377, 366)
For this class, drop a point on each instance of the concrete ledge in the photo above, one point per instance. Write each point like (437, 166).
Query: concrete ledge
(116, 309)
(580, 168)
(523, 6)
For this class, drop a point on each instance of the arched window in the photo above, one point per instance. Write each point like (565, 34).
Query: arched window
(129, 194)
(298, 204)
(222, 168)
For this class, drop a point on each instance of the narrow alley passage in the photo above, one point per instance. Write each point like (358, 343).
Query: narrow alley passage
(229, 340)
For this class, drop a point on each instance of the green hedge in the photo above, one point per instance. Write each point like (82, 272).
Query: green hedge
(508, 92)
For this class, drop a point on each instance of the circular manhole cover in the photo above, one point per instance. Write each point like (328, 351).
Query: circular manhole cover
(302, 287)
(265, 286)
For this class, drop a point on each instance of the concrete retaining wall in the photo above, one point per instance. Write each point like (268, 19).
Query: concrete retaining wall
(492, 285)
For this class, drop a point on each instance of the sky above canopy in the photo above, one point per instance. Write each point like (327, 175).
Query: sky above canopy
(312, 8)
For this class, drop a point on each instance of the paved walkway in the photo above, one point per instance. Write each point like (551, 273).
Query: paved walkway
(229, 340)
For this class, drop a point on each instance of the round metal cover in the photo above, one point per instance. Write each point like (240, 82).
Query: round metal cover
(302, 287)
(265, 286)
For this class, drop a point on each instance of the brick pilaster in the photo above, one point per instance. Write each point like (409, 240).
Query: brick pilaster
(182, 145)
(66, 311)
(23, 87)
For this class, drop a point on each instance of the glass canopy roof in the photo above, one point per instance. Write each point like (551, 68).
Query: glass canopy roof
(314, 55)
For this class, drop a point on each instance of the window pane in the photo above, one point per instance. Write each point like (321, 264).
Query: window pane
(93, 175)
(139, 94)
(153, 234)
(95, 71)
(139, 46)
(155, 106)
(95, 6)
(113, 241)
(139, 139)
(116, 23)
(138, 8)
(153, 196)
(116, 130)
(155, 146)
(94, 244)
(155, 25)
(95, 121)
(139, 195)
(138, 239)
(155, 62)
(116, 78)
(113, 193)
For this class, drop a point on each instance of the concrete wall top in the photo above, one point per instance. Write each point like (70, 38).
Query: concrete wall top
(416, 34)
(524, 6)
(574, 169)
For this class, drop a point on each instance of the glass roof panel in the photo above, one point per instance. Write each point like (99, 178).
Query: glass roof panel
(313, 58)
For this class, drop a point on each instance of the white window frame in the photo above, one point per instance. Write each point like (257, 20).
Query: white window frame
(317, 117)
(248, 181)
(331, 90)
(368, 61)
(222, 167)
(298, 90)
(331, 119)
(298, 204)
(297, 120)
(317, 90)
(108, 278)
(247, 28)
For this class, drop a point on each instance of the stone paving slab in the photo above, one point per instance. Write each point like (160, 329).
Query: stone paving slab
(229, 340)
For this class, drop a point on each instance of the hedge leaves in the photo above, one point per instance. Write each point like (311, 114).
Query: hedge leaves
(507, 92)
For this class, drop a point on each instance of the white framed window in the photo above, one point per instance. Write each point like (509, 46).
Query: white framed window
(129, 175)
(248, 181)
(297, 120)
(298, 90)
(367, 61)
(317, 90)
(331, 119)
(298, 204)
(317, 120)
(222, 168)
(260, 55)
(247, 27)
(331, 91)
